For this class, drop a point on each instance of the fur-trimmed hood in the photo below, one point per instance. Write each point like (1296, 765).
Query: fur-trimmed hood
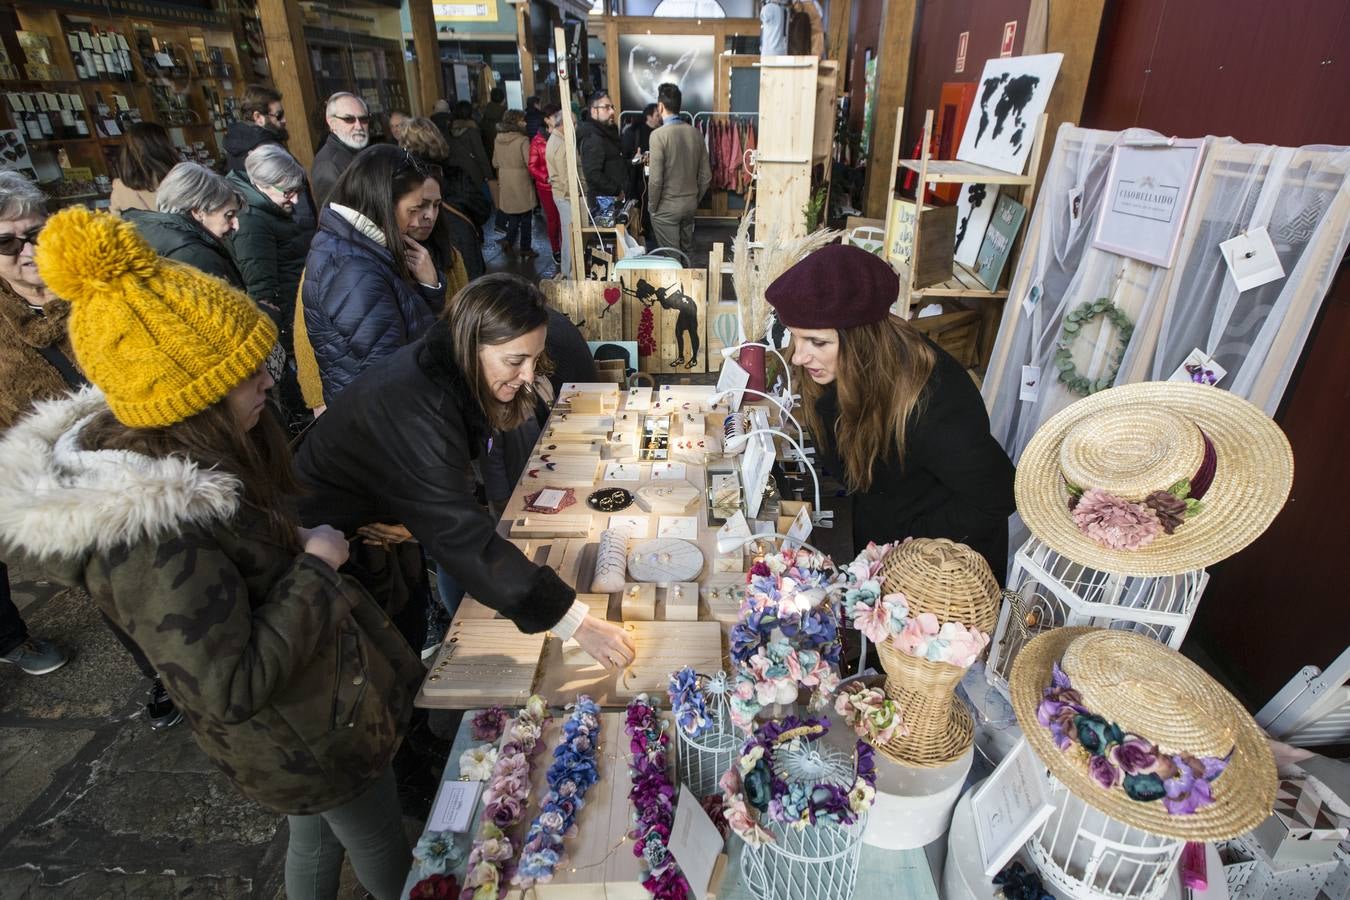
(60, 503)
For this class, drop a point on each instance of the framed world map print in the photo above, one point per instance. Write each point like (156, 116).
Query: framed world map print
(1009, 99)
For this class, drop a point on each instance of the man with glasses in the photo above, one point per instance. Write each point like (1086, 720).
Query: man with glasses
(604, 171)
(349, 124)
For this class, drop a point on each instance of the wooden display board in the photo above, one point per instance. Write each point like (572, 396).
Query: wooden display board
(595, 307)
(678, 300)
(482, 662)
(662, 648)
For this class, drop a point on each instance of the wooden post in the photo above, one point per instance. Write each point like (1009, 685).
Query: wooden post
(899, 23)
(427, 46)
(284, 34)
(837, 33)
(1073, 33)
(525, 45)
(574, 195)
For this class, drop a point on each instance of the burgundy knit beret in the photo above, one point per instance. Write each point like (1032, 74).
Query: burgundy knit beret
(838, 286)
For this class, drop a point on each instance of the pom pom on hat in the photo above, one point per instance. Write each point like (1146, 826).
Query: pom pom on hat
(164, 341)
(838, 286)
(84, 254)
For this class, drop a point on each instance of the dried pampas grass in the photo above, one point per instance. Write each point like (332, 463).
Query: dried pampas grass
(753, 270)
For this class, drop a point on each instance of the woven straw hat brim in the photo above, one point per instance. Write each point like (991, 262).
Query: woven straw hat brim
(1244, 794)
(1252, 479)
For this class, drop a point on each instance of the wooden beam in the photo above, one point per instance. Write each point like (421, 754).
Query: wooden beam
(899, 23)
(427, 46)
(574, 196)
(837, 34)
(288, 57)
(1072, 30)
(525, 46)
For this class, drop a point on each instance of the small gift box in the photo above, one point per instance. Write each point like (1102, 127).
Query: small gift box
(1305, 826)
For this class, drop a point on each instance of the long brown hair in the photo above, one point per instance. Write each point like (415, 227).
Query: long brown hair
(492, 310)
(212, 439)
(147, 156)
(880, 375)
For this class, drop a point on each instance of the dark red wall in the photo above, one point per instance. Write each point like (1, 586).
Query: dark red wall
(940, 27)
(1252, 69)
(865, 32)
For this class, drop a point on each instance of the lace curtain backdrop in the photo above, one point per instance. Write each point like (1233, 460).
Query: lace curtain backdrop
(1302, 196)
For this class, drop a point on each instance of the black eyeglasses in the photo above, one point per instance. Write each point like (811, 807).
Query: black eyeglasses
(364, 120)
(13, 244)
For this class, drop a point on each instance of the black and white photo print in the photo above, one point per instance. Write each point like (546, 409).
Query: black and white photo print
(649, 60)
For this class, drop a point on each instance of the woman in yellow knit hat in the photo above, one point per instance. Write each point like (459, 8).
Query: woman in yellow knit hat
(163, 492)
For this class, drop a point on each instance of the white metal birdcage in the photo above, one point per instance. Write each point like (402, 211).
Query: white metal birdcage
(1047, 590)
(820, 860)
(701, 760)
(1083, 853)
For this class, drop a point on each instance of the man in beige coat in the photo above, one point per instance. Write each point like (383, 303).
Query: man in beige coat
(680, 173)
(555, 155)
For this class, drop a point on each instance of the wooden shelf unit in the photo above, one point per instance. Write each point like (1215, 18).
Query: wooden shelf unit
(201, 91)
(963, 283)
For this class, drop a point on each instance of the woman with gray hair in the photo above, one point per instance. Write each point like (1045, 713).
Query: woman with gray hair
(198, 210)
(270, 245)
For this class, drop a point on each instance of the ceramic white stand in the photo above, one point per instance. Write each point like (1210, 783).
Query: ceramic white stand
(914, 806)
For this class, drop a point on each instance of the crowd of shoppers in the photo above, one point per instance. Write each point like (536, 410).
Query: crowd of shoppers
(161, 362)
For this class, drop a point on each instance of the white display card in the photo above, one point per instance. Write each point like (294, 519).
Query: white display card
(620, 471)
(1009, 807)
(453, 809)
(684, 527)
(667, 471)
(694, 842)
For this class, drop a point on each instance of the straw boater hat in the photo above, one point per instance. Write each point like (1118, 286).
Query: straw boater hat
(1124, 709)
(1156, 478)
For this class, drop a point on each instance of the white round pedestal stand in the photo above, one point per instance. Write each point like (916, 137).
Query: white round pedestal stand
(914, 806)
(963, 875)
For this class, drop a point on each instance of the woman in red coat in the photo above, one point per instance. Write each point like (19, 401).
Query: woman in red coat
(539, 170)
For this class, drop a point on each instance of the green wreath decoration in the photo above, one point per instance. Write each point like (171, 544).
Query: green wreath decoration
(1073, 325)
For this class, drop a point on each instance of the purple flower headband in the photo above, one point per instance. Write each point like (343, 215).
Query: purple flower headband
(1122, 524)
(572, 774)
(1115, 758)
(653, 798)
(688, 700)
(504, 803)
(753, 788)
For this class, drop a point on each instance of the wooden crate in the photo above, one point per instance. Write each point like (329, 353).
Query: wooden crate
(933, 262)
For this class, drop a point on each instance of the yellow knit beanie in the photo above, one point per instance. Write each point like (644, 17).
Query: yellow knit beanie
(162, 340)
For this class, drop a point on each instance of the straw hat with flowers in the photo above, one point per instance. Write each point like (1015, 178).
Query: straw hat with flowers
(1153, 479)
(1141, 733)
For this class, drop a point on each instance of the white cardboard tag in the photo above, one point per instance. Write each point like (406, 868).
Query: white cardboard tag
(694, 842)
(1251, 259)
(1030, 388)
(800, 530)
(1200, 368)
(454, 806)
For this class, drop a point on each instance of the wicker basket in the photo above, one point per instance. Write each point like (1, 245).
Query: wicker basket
(954, 583)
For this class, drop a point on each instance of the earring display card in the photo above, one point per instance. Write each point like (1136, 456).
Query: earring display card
(634, 526)
(623, 471)
(1252, 259)
(667, 496)
(668, 471)
(684, 527)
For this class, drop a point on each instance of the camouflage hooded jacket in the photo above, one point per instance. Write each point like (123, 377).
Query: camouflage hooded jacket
(293, 681)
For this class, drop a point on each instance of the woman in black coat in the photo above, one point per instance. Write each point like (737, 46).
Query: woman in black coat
(894, 416)
(393, 456)
(369, 287)
(198, 211)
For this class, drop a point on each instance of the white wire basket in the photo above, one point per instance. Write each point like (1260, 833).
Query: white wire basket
(1047, 590)
(701, 760)
(819, 861)
(1086, 854)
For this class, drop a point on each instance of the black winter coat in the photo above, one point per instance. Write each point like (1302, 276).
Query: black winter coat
(330, 162)
(181, 238)
(396, 447)
(602, 162)
(955, 482)
(357, 308)
(270, 247)
(240, 140)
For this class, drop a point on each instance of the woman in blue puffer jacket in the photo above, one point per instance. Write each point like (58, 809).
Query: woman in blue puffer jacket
(369, 288)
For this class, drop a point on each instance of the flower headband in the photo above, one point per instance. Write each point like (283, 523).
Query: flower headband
(1115, 758)
(754, 788)
(1122, 524)
(883, 618)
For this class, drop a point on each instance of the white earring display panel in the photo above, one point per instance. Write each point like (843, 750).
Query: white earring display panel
(484, 661)
(610, 562)
(665, 561)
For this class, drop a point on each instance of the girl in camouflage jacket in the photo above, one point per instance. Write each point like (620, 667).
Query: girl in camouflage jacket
(163, 492)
